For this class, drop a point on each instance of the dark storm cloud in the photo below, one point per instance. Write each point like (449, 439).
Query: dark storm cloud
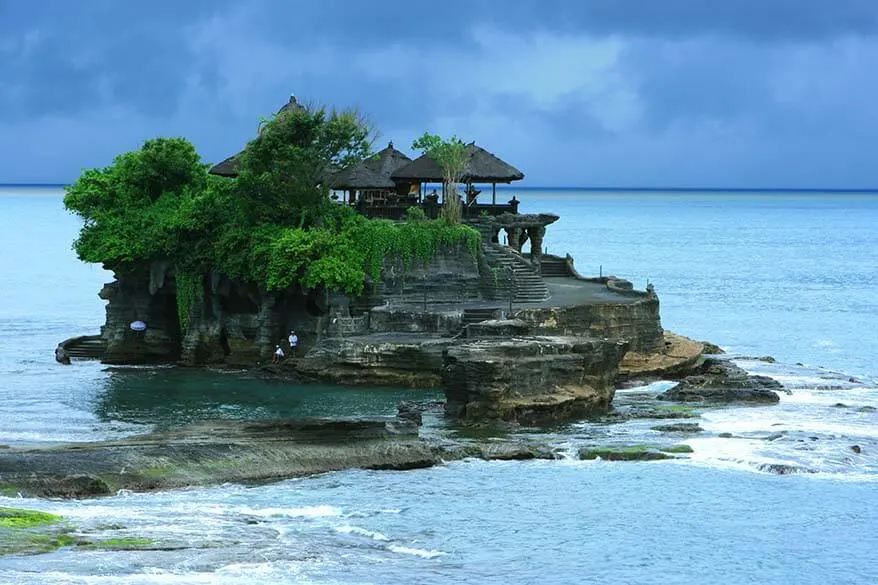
(66, 57)
(591, 92)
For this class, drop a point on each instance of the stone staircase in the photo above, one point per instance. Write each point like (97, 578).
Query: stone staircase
(471, 316)
(90, 346)
(554, 266)
(529, 286)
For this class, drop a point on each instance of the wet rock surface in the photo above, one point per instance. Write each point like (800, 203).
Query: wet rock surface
(404, 360)
(215, 452)
(719, 381)
(679, 428)
(536, 379)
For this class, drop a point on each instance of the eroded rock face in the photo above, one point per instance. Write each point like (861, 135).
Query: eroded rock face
(396, 360)
(136, 296)
(536, 379)
(637, 322)
(722, 381)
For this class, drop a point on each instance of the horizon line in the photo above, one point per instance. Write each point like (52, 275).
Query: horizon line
(641, 189)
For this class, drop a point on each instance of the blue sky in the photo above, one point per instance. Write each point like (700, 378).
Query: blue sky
(726, 93)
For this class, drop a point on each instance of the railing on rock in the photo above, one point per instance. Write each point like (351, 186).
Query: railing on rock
(397, 210)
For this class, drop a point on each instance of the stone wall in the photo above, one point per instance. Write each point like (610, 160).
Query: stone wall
(451, 276)
(406, 320)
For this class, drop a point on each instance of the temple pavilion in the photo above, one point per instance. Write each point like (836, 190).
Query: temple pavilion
(389, 182)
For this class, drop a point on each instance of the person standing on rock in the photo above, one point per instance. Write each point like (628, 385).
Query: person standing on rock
(278, 355)
(294, 343)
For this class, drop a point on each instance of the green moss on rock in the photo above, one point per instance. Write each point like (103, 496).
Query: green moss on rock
(678, 449)
(624, 453)
(633, 452)
(122, 543)
(31, 532)
(18, 518)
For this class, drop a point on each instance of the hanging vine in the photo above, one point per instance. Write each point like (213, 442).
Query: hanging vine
(340, 257)
(189, 291)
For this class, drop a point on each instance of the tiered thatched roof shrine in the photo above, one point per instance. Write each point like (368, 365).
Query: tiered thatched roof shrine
(389, 182)
(229, 167)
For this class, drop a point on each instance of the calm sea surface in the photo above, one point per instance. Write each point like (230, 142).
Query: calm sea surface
(790, 275)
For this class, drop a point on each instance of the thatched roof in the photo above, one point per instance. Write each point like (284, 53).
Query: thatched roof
(482, 167)
(229, 167)
(360, 177)
(226, 168)
(388, 161)
(291, 106)
(372, 173)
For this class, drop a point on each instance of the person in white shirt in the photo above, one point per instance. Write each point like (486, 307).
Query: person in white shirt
(294, 343)
(278, 355)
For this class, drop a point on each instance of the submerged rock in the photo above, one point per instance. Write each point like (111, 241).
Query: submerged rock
(679, 428)
(784, 468)
(721, 381)
(76, 486)
(631, 453)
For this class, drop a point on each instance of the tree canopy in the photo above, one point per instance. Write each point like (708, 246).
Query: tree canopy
(274, 225)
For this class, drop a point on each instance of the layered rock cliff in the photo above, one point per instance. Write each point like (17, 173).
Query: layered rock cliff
(142, 295)
(422, 326)
(530, 379)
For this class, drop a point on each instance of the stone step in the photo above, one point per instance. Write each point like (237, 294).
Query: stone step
(478, 315)
(554, 268)
(86, 347)
(527, 285)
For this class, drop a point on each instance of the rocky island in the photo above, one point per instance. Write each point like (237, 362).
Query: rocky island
(385, 284)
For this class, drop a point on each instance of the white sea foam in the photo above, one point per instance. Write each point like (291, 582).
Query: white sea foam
(653, 388)
(418, 552)
(348, 529)
(322, 511)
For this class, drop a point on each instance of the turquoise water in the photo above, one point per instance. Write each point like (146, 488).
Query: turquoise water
(791, 275)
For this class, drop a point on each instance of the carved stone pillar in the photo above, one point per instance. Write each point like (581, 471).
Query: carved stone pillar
(514, 242)
(536, 243)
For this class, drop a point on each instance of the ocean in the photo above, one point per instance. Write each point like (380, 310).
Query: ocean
(790, 275)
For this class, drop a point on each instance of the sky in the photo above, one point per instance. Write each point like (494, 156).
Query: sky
(598, 93)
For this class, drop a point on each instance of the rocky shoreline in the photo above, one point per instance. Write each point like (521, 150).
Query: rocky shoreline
(548, 347)
(213, 452)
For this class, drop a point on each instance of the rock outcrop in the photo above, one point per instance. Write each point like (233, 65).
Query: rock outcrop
(721, 381)
(391, 359)
(215, 452)
(530, 379)
(149, 296)
(677, 357)
(637, 322)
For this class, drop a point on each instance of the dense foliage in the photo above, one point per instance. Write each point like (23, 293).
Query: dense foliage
(274, 225)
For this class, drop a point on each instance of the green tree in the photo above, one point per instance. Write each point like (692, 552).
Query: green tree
(283, 171)
(273, 226)
(452, 157)
(140, 207)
